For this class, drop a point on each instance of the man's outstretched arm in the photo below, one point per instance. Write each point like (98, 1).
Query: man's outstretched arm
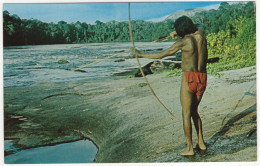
(168, 52)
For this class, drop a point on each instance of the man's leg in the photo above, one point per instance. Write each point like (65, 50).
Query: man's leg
(186, 102)
(198, 123)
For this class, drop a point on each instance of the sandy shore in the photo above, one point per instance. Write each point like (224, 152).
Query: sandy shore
(128, 125)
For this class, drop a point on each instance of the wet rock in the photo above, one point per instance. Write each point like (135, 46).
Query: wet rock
(157, 49)
(120, 60)
(163, 65)
(157, 66)
(77, 70)
(120, 51)
(146, 69)
(63, 61)
(130, 72)
(10, 75)
(82, 71)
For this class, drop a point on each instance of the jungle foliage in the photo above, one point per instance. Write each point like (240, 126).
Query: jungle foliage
(34, 32)
(231, 36)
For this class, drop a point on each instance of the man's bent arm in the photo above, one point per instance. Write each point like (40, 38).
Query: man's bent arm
(173, 49)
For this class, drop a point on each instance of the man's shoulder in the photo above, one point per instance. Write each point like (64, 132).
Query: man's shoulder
(183, 41)
(200, 35)
(188, 39)
(185, 38)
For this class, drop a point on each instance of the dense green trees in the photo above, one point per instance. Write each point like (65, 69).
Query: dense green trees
(216, 20)
(235, 41)
(19, 31)
(236, 46)
(32, 32)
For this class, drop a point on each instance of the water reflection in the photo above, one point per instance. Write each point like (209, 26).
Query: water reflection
(83, 151)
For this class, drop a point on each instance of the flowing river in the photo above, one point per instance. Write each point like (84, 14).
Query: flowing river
(26, 65)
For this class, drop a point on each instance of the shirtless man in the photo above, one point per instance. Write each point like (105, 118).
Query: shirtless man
(194, 77)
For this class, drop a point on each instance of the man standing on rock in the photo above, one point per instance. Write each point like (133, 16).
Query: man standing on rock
(194, 77)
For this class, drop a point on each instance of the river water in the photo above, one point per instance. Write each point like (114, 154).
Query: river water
(82, 151)
(26, 65)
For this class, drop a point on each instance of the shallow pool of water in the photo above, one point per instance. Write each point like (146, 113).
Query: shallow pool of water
(83, 151)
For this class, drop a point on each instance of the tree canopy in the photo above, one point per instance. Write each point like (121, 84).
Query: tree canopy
(19, 31)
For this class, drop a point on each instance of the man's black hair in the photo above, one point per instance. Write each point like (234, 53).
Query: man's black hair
(184, 26)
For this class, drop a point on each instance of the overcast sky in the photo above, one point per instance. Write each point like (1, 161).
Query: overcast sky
(90, 12)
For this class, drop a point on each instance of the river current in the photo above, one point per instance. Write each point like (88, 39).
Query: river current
(27, 65)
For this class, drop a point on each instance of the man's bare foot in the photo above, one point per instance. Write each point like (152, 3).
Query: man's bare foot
(188, 152)
(200, 146)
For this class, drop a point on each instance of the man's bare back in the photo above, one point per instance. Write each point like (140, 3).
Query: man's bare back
(195, 54)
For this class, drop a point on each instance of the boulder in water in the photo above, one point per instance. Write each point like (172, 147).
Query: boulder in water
(146, 69)
(63, 61)
(162, 65)
(119, 60)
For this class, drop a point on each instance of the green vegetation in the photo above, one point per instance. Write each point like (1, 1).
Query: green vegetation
(236, 48)
(34, 32)
(230, 31)
(231, 35)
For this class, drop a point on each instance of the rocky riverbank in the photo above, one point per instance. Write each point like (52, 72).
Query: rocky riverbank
(127, 124)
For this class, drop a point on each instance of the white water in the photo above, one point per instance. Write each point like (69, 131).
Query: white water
(26, 65)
